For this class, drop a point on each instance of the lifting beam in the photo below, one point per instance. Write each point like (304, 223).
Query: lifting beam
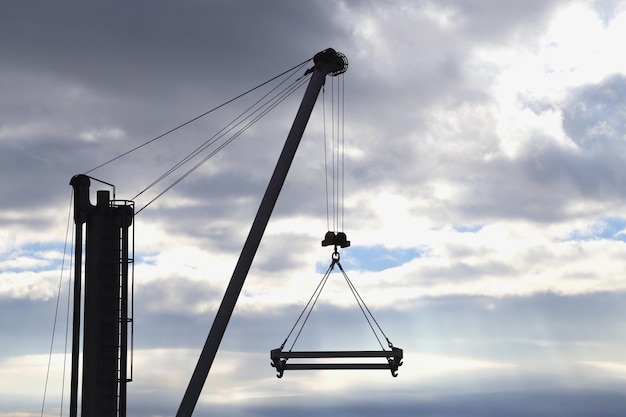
(393, 356)
(327, 62)
(279, 357)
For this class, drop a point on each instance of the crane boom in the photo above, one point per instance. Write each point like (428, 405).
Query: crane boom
(327, 62)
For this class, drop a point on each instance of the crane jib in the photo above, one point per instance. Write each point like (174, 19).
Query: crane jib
(327, 62)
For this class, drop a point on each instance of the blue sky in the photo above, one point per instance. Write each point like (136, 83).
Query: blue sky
(484, 196)
(374, 258)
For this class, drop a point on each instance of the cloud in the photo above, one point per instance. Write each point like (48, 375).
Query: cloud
(592, 117)
(471, 346)
(483, 196)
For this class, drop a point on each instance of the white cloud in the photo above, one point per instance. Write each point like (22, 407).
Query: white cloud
(93, 135)
(29, 285)
(613, 369)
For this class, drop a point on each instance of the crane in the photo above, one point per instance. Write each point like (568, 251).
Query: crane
(107, 272)
(326, 62)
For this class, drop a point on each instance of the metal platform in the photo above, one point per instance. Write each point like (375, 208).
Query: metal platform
(393, 357)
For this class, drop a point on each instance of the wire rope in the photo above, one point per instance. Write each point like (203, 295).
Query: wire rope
(308, 308)
(334, 149)
(325, 157)
(273, 105)
(220, 147)
(334, 165)
(306, 318)
(67, 323)
(343, 153)
(364, 308)
(318, 290)
(56, 311)
(219, 134)
(341, 150)
(197, 117)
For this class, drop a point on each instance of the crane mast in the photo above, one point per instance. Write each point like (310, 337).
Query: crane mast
(105, 309)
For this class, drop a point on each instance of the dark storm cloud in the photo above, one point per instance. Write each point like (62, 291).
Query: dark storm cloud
(136, 48)
(71, 69)
(32, 174)
(142, 68)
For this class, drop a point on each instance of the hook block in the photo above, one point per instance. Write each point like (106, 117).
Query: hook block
(337, 239)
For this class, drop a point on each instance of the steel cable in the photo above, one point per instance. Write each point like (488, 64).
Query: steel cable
(364, 307)
(197, 117)
(221, 133)
(318, 291)
(279, 99)
(56, 311)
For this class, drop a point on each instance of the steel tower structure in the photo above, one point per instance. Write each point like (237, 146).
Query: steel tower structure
(105, 330)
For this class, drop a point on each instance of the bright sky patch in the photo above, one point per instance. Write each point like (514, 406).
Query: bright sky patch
(373, 258)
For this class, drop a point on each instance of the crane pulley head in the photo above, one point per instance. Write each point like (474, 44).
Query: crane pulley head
(330, 62)
(338, 239)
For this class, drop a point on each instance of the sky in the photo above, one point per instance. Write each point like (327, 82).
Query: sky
(484, 175)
